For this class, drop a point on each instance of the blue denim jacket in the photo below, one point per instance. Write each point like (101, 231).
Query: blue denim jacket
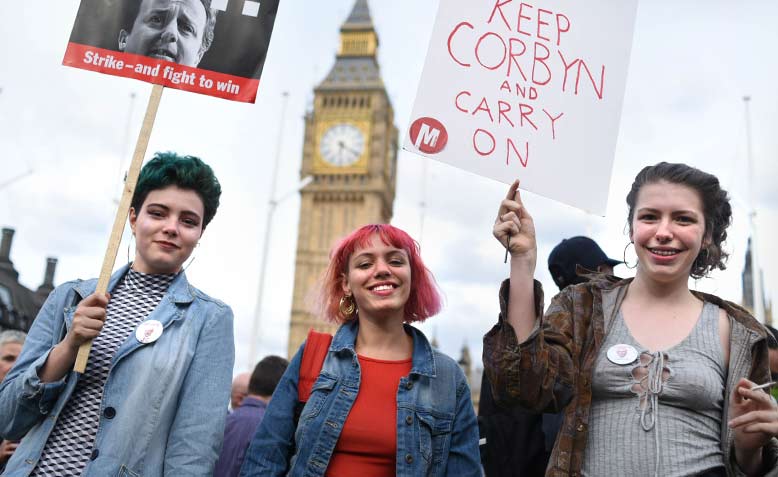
(437, 433)
(170, 396)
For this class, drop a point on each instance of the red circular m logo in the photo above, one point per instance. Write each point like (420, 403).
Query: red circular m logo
(428, 135)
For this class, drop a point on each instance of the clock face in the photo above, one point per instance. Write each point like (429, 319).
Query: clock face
(342, 145)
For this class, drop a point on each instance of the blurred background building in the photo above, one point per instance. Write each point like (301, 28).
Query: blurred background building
(18, 304)
(747, 278)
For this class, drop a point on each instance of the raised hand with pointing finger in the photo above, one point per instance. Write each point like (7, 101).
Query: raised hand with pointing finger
(514, 227)
(515, 230)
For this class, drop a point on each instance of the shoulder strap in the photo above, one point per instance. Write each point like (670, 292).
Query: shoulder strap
(316, 347)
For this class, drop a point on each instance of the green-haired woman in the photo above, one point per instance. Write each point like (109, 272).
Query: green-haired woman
(152, 400)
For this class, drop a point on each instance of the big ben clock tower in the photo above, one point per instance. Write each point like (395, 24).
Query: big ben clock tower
(350, 150)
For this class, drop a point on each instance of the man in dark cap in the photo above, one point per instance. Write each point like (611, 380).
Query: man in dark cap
(577, 251)
(518, 442)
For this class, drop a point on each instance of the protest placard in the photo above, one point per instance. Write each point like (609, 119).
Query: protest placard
(213, 47)
(528, 90)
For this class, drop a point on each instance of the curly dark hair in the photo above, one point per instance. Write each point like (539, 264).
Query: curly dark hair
(715, 203)
(185, 172)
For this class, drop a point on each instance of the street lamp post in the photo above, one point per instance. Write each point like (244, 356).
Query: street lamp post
(271, 207)
(255, 326)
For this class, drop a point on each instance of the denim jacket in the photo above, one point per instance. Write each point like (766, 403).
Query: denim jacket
(169, 397)
(437, 433)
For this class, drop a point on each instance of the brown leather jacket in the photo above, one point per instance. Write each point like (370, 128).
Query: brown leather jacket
(551, 371)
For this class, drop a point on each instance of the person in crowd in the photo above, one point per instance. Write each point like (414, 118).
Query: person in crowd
(151, 401)
(243, 422)
(570, 254)
(519, 442)
(240, 389)
(11, 342)
(180, 31)
(654, 378)
(385, 403)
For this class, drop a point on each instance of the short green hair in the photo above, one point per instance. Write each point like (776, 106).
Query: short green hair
(185, 172)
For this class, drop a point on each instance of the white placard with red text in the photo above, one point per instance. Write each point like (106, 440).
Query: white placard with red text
(528, 90)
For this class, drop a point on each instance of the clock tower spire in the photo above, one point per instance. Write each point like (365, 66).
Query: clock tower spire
(350, 150)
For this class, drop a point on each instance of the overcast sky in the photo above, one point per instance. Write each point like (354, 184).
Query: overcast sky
(691, 64)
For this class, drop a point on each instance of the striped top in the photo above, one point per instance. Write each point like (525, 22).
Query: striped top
(661, 414)
(69, 446)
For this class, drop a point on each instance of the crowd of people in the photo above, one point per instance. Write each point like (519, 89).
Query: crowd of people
(638, 376)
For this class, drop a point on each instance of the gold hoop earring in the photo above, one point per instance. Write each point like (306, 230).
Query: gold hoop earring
(624, 256)
(347, 306)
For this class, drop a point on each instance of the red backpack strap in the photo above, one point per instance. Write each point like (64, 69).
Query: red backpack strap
(316, 347)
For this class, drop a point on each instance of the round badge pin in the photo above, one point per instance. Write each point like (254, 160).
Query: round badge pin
(622, 354)
(148, 331)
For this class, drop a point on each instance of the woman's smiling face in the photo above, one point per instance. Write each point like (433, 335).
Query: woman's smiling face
(379, 278)
(668, 229)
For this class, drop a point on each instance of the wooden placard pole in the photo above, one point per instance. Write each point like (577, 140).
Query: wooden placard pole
(123, 210)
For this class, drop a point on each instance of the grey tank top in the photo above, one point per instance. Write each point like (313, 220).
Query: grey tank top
(661, 414)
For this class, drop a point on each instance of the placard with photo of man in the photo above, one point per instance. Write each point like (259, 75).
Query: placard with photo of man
(214, 47)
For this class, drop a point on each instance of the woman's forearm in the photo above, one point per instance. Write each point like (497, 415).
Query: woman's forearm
(521, 304)
(59, 363)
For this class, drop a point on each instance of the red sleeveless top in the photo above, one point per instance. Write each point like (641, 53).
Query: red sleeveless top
(368, 441)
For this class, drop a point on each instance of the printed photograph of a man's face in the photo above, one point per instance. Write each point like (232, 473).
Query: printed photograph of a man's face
(180, 31)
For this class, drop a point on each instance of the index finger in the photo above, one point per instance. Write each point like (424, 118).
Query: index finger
(96, 299)
(745, 383)
(757, 395)
(513, 195)
(513, 190)
(517, 194)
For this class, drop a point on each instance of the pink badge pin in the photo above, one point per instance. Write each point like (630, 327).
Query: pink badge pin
(149, 331)
(622, 354)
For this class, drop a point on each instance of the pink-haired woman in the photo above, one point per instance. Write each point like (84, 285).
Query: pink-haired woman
(385, 402)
